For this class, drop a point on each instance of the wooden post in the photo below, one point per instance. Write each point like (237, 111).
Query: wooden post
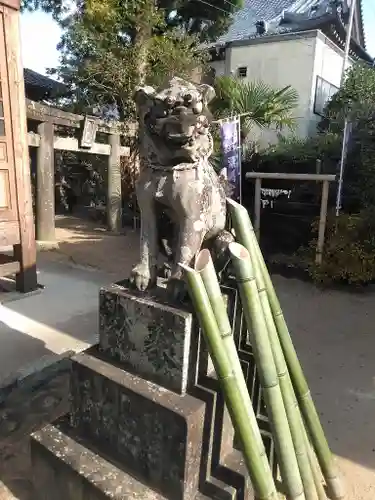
(45, 181)
(290, 177)
(257, 201)
(318, 166)
(114, 197)
(25, 250)
(322, 222)
(318, 170)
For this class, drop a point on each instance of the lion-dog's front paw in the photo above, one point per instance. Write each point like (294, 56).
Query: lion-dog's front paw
(142, 278)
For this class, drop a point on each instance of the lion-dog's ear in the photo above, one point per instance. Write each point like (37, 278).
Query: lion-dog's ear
(208, 93)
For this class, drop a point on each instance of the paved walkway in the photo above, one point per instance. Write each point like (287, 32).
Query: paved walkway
(333, 332)
(63, 317)
(334, 336)
(34, 331)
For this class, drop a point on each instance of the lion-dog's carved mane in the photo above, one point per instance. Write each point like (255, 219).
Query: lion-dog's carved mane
(176, 182)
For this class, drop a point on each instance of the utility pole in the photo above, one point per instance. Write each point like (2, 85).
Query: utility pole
(346, 125)
(348, 40)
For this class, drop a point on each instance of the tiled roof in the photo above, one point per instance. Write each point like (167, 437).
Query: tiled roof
(254, 10)
(49, 86)
(362, 35)
(271, 11)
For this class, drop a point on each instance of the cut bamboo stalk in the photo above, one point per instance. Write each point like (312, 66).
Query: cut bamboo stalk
(290, 402)
(205, 267)
(265, 362)
(245, 235)
(318, 478)
(262, 482)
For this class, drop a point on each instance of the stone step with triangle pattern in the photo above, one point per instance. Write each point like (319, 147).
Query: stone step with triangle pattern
(154, 433)
(65, 469)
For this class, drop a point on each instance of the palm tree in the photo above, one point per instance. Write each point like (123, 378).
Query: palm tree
(257, 102)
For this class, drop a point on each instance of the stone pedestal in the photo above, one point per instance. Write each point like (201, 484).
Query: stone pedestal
(147, 419)
(146, 335)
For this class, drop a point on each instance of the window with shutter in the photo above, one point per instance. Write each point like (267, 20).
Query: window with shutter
(242, 72)
(323, 93)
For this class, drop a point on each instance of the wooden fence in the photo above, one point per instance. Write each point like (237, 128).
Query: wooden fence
(324, 179)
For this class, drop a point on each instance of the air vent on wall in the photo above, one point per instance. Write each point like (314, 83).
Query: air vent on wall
(242, 72)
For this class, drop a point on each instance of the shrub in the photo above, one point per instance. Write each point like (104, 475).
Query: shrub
(359, 176)
(358, 88)
(295, 155)
(349, 251)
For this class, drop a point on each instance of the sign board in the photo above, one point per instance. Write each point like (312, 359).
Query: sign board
(90, 127)
(231, 146)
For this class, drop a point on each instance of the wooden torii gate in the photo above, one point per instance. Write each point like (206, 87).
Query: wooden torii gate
(16, 213)
(47, 140)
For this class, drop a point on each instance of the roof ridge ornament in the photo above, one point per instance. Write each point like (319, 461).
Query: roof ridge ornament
(318, 10)
(261, 26)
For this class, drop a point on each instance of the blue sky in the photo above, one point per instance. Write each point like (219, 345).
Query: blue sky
(40, 35)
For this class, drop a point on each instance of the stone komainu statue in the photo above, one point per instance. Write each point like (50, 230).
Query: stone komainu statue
(177, 187)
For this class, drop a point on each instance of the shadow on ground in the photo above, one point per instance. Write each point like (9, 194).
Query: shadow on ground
(34, 331)
(85, 243)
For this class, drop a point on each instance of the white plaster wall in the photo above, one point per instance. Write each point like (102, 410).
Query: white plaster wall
(279, 63)
(328, 62)
(295, 62)
(219, 67)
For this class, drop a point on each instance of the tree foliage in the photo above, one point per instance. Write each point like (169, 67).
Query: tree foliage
(359, 184)
(207, 19)
(358, 90)
(105, 52)
(259, 103)
(57, 8)
(299, 155)
(110, 46)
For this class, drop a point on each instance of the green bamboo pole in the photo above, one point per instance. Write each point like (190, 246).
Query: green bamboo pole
(318, 478)
(265, 362)
(262, 482)
(246, 236)
(294, 418)
(205, 267)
